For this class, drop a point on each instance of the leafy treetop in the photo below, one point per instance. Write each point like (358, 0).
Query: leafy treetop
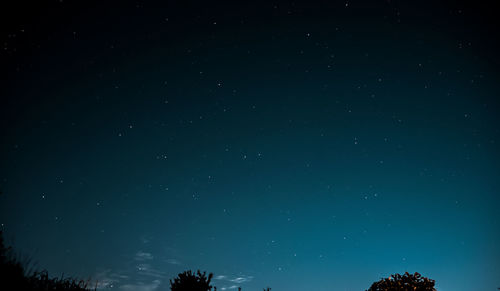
(406, 282)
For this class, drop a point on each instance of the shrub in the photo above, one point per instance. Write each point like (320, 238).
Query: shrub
(189, 281)
(406, 282)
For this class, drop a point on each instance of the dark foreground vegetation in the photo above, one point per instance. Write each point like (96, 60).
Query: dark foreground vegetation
(189, 281)
(15, 276)
(406, 282)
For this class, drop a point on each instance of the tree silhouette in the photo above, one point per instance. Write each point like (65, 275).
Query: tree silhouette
(189, 281)
(406, 282)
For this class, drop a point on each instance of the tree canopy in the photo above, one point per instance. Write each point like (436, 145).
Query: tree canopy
(406, 282)
(189, 281)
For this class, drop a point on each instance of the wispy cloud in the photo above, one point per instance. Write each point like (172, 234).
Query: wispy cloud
(173, 262)
(108, 279)
(229, 288)
(143, 266)
(141, 269)
(140, 286)
(232, 280)
(242, 279)
(143, 256)
(239, 279)
(147, 270)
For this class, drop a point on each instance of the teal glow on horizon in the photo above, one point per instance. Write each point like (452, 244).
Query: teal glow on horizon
(296, 146)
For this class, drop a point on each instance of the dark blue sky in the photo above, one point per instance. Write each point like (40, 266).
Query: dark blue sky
(315, 146)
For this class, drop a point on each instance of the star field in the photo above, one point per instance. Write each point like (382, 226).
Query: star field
(300, 146)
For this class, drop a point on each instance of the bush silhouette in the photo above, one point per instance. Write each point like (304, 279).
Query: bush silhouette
(189, 281)
(14, 276)
(11, 271)
(406, 282)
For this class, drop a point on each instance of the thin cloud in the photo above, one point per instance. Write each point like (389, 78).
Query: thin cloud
(147, 270)
(173, 262)
(238, 280)
(141, 286)
(229, 288)
(242, 279)
(108, 279)
(143, 256)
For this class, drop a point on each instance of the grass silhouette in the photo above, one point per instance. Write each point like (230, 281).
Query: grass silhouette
(15, 275)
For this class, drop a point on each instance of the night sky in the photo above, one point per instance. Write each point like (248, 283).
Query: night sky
(313, 145)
